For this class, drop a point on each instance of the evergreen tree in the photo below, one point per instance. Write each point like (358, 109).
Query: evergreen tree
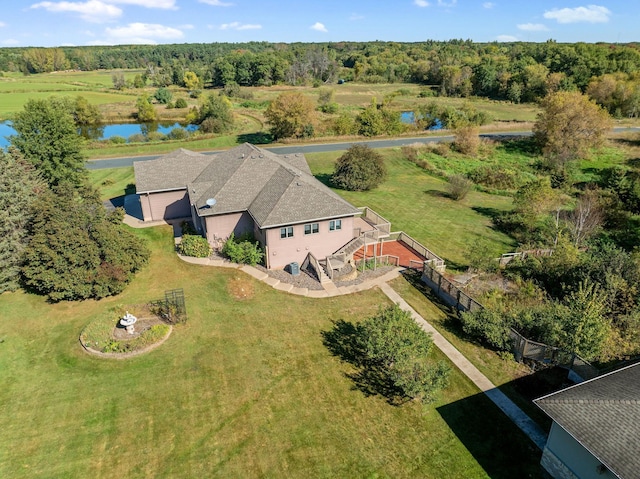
(77, 250)
(20, 185)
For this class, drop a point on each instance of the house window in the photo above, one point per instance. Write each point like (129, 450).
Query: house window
(286, 232)
(312, 228)
(335, 225)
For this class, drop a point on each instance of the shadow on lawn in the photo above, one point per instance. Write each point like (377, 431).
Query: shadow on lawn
(256, 138)
(501, 449)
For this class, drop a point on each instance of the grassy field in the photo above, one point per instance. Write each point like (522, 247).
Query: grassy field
(415, 202)
(245, 389)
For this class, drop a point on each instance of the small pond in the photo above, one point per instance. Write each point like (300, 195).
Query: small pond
(409, 118)
(124, 130)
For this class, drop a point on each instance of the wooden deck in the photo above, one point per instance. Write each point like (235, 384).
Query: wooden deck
(393, 248)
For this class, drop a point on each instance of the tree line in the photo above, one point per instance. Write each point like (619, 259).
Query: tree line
(519, 72)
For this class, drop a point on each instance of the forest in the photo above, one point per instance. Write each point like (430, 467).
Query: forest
(518, 72)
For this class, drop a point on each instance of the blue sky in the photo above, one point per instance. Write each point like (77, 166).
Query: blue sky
(110, 22)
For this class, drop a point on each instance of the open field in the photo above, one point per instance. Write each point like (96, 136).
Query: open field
(415, 202)
(244, 389)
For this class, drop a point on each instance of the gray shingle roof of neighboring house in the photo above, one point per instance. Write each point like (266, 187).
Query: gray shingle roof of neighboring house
(169, 172)
(603, 415)
(275, 189)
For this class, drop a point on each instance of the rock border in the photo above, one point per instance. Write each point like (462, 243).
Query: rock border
(138, 352)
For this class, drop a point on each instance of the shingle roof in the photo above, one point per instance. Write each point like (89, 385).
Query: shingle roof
(603, 415)
(169, 172)
(274, 189)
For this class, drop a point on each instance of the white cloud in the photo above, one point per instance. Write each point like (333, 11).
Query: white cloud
(186, 26)
(10, 42)
(2, 24)
(164, 4)
(532, 27)
(589, 14)
(91, 11)
(240, 26)
(216, 3)
(488, 5)
(143, 33)
(319, 27)
(450, 3)
(421, 3)
(506, 38)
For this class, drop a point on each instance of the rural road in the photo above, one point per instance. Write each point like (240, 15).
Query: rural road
(323, 147)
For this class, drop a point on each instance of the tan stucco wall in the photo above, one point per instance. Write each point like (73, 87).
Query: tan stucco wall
(165, 206)
(283, 251)
(220, 227)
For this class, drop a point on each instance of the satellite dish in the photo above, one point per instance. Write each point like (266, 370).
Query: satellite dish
(211, 202)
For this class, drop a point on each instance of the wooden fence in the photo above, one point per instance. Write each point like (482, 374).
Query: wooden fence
(579, 369)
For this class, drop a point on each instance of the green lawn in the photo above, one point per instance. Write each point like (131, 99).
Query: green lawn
(245, 389)
(414, 202)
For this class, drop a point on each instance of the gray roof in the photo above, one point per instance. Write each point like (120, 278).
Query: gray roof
(603, 415)
(275, 189)
(169, 172)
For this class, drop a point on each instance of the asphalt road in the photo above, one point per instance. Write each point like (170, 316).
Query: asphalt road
(320, 148)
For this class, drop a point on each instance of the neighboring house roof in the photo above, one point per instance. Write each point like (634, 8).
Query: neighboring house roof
(603, 415)
(275, 189)
(169, 172)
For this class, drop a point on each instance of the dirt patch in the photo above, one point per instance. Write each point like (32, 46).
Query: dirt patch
(241, 287)
(141, 325)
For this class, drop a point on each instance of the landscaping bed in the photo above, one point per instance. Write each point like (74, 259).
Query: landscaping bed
(105, 336)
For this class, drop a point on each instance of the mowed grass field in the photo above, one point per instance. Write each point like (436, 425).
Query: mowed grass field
(245, 388)
(96, 87)
(415, 202)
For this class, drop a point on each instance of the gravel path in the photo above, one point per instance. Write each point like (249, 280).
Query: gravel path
(308, 280)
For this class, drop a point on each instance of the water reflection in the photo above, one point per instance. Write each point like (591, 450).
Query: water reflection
(105, 132)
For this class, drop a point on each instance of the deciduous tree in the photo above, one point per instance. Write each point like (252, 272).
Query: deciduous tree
(289, 115)
(48, 138)
(568, 126)
(359, 169)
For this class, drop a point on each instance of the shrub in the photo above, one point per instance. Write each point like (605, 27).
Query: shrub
(194, 245)
(243, 250)
(117, 140)
(494, 176)
(156, 136)
(467, 140)
(344, 124)
(181, 103)
(359, 169)
(137, 138)
(488, 325)
(458, 187)
(329, 108)
(178, 133)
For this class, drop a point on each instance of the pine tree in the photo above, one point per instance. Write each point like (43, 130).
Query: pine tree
(19, 187)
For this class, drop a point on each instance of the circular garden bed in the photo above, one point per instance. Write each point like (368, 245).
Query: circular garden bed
(106, 337)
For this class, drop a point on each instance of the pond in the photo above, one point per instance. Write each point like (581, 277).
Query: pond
(409, 118)
(124, 130)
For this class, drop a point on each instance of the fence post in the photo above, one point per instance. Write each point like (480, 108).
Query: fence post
(439, 282)
(458, 300)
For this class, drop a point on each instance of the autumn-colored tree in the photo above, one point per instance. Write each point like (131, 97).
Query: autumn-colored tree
(568, 126)
(191, 81)
(290, 115)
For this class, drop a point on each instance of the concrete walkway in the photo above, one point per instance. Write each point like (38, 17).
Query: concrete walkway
(524, 422)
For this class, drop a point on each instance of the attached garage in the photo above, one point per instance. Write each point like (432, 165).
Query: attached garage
(167, 205)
